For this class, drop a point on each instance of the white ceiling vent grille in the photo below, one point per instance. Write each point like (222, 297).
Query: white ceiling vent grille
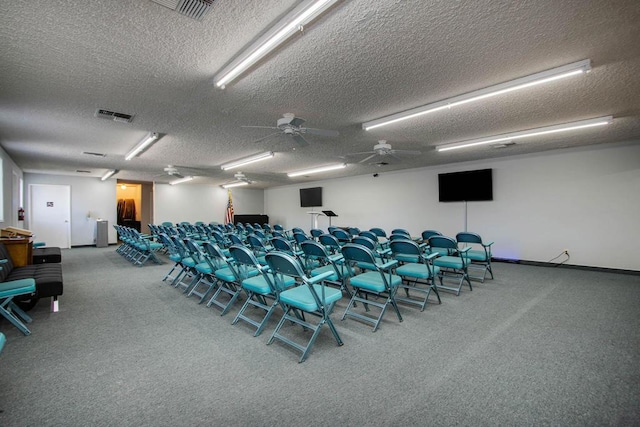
(112, 115)
(195, 9)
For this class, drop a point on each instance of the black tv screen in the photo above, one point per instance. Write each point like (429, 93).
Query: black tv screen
(310, 197)
(468, 186)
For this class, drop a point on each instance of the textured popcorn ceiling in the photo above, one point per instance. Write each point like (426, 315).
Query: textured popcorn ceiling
(363, 59)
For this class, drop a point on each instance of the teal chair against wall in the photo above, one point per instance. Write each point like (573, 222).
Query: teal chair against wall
(377, 288)
(454, 265)
(479, 254)
(418, 275)
(262, 292)
(312, 296)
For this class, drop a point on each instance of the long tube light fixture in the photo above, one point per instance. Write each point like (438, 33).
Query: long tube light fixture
(568, 70)
(235, 184)
(247, 160)
(317, 170)
(142, 145)
(581, 124)
(304, 13)
(109, 174)
(181, 180)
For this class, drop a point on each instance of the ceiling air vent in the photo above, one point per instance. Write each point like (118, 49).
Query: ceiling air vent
(112, 115)
(195, 9)
(91, 153)
(82, 171)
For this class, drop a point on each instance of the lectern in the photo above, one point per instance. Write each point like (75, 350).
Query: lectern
(330, 214)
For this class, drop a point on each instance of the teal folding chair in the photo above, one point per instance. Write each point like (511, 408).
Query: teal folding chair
(262, 292)
(380, 284)
(8, 309)
(312, 297)
(453, 265)
(479, 254)
(204, 282)
(417, 275)
(323, 261)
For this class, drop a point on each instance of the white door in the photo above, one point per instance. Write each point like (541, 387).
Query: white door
(50, 214)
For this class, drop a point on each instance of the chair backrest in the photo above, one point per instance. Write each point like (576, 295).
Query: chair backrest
(467, 237)
(378, 232)
(364, 241)
(399, 236)
(300, 237)
(329, 241)
(444, 242)
(357, 253)
(401, 231)
(313, 249)
(257, 244)
(243, 262)
(405, 247)
(260, 234)
(426, 234)
(297, 230)
(282, 244)
(195, 251)
(370, 235)
(278, 227)
(282, 263)
(354, 231)
(215, 255)
(341, 235)
(235, 239)
(316, 232)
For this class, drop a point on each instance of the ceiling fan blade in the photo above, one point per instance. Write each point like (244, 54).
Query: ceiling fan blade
(260, 127)
(299, 139)
(368, 158)
(266, 137)
(177, 175)
(360, 153)
(406, 152)
(297, 121)
(321, 132)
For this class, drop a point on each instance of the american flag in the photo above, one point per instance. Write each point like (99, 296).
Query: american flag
(228, 217)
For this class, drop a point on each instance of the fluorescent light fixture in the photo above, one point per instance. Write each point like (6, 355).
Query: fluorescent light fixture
(109, 174)
(181, 180)
(282, 30)
(599, 121)
(247, 160)
(317, 170)
(235, 184)
(568, 70)
(143, 145)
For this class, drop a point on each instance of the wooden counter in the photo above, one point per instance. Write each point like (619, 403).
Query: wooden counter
(20, 250)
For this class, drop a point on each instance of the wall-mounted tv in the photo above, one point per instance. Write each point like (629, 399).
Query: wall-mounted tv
(310, 197)
(467, 186)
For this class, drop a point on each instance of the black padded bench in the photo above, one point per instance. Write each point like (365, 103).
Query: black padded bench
(48, 278)
(46, 255)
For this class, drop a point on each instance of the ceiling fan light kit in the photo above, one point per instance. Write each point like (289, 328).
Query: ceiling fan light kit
(317, 170)
(293, 22)
(581, 124)
(553, 74)
(247, 160)
(109, 174)
(181, 180)
(142, 145)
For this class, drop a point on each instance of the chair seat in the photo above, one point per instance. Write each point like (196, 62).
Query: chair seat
(188, 262)
(416, 270)
(406, 258)
(301, 297)
(476, 255)
(175, 257)
(259, 285)
(334, 277)
(204, 268)
(450, 262)
(17, 287)
(372, 281)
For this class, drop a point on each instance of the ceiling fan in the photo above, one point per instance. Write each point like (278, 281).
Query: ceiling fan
(383, 150)
(172, 171)
(290, 125)
(239, 179)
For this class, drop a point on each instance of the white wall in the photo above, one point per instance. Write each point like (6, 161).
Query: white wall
(89, 196)
(9, 218)
(584, 200)
(207, 203)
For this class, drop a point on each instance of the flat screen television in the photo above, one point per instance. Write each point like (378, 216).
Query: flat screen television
(467, 186)
(310, 197)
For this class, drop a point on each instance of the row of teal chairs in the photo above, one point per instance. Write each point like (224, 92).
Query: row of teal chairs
(136, 247)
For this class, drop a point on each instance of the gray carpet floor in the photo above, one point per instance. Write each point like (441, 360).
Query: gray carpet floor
(535, 346)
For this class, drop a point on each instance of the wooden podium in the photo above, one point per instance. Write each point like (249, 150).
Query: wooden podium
(19, 244)
(20, 250)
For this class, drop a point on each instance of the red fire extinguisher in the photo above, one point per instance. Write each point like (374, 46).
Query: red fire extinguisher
(20, 214)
